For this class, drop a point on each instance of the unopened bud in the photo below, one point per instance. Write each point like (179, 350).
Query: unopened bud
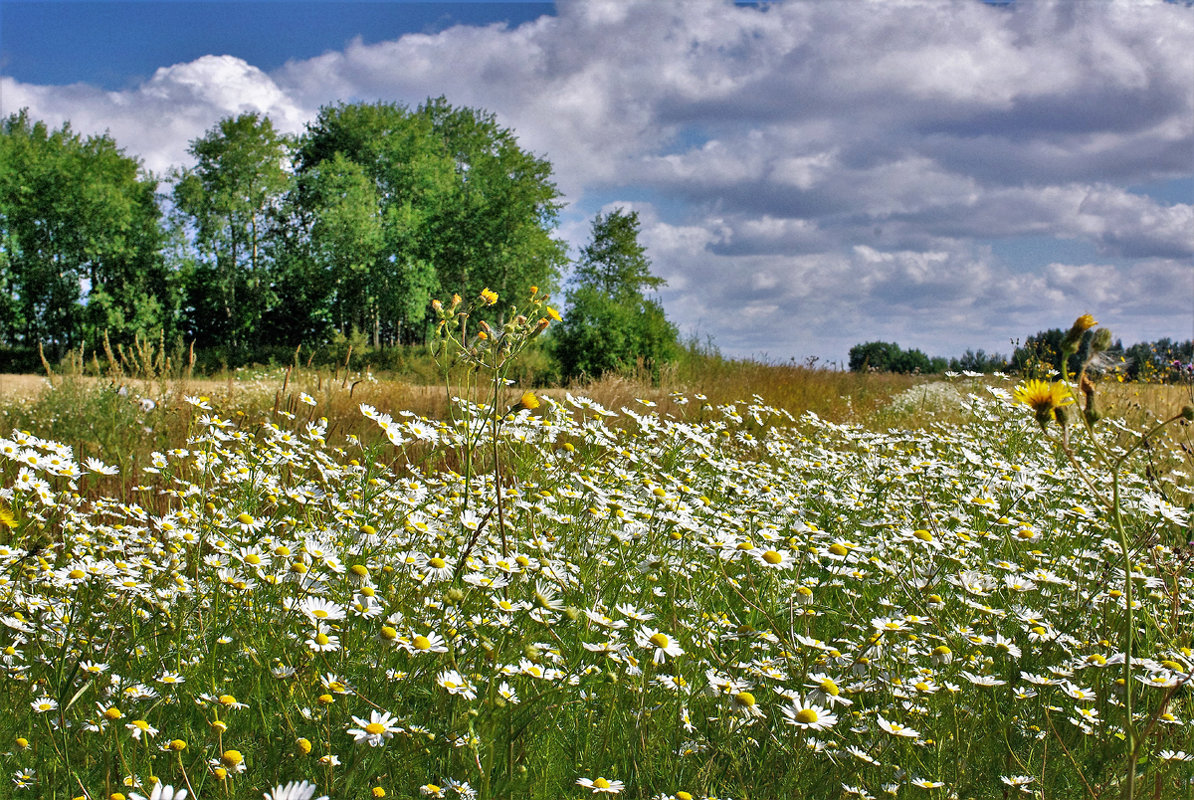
(1101, 341)
(1187, 413)
(1073, 337)
(1062, 415)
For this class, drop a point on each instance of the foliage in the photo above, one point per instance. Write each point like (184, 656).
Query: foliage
(79, 240)
(440, 197)
(610, 324)
(239, 176)
(890, 357)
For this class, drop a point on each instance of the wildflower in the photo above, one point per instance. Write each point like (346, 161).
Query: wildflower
(601, 785)
(744, 703)
(489, 297)
(43, 704)
(322, 641)
(318, 609)
(808, 716)
(896, 729)
(455, 683)
(233, 760)
(295, 790)
(162, 791)
(1043, 398)
(139, 726)
(1073, 337)
(528, 401)
(374, 732)
(1020, 782)
(661, 645)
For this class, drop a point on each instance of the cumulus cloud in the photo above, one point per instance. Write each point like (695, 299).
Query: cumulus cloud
(816, 173)
(157, 120)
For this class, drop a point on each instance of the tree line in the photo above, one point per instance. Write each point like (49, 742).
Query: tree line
(348, 230)
(1163, 359)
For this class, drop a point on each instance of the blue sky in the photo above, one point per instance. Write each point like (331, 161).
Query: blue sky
(809, 175)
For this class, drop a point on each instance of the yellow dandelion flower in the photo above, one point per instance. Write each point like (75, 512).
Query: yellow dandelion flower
(1043, 397)
(489, 296)
(529, 401)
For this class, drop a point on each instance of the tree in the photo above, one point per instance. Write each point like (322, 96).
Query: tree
(610, 324)
(80, 239)
(462, 206)
(890, 357)
(239, 177)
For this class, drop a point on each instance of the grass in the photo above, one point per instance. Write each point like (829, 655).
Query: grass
(700, 594)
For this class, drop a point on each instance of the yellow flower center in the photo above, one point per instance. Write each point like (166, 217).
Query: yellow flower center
(744, 699)
(422, 643)
(601, 783)
(806, 716)
(437, 563)
(374, 728)
(659, 640)
(772, 557)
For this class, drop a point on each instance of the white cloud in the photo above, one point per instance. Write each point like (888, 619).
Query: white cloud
(818, 173)
(157, 120)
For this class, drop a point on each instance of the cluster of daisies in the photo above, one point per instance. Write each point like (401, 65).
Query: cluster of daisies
(724, 602)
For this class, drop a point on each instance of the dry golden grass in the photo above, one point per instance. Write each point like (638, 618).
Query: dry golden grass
(88, 413)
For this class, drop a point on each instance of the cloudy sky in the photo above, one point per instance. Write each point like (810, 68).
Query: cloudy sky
(810, 174)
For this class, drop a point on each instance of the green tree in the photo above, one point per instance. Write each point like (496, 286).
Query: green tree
(462, 207)
(890, 357)
(610, 324)
(239, 177)
(80, 237)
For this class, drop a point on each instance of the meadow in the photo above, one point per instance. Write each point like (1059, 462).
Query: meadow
(780, 582)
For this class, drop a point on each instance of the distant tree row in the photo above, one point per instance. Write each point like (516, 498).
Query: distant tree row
(1039, 353)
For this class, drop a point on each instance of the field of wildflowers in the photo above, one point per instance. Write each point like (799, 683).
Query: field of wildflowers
(552, 599)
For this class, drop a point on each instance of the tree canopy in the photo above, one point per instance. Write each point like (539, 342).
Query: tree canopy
(347, 230)
(80, 239)
(611, 324)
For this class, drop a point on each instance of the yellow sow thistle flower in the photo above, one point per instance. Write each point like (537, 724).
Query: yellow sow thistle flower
(529, 401)
(489, 296)
(1043, 398)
